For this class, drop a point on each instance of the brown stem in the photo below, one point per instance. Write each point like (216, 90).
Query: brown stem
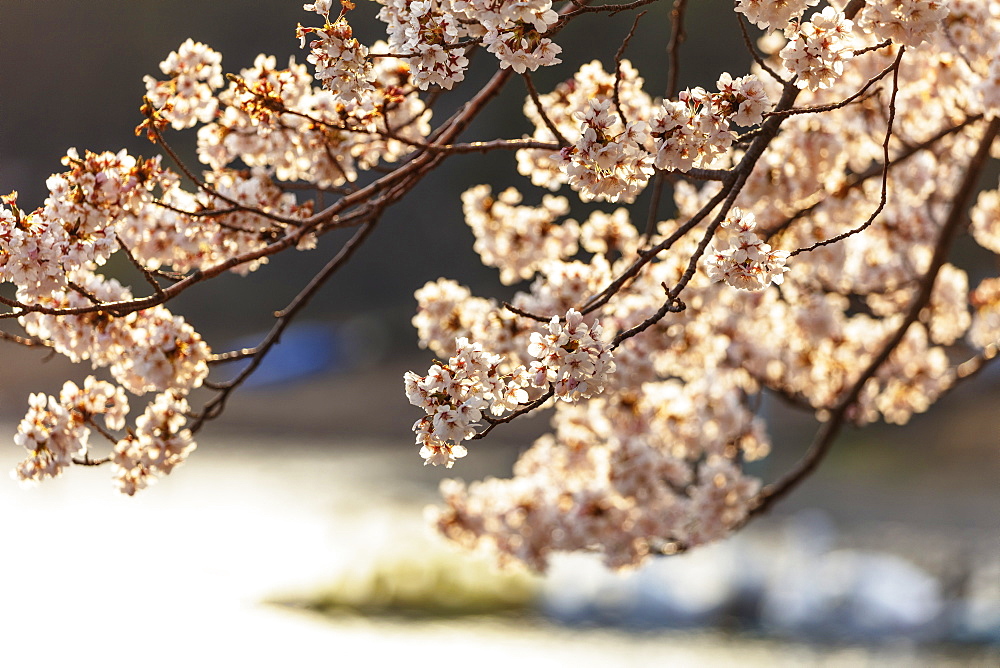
(884, 195)
(214, 408)
(677, 36)
(533, 94)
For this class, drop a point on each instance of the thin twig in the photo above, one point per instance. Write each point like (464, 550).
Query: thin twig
(602, 297)
(214, 408)
(142, 269)
(533, 94)
(677, 36)
(893, 67)
(525, 314)
(526, 408)
(884, 196)
(588, 9)
(876, 170)
(756, 56)
(619, 54)
(201, 185)
(27, 341)
(208, 213)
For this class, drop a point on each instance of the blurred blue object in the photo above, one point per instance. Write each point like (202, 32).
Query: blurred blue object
(309, 349)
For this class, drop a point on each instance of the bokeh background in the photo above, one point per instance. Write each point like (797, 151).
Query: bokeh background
(294, 534)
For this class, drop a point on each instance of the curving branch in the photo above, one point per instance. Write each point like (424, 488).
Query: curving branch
(884, 194)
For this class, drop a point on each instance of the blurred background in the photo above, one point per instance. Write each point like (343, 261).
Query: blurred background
(295, 533)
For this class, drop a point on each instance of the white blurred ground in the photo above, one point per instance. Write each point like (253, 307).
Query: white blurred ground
(179, 574)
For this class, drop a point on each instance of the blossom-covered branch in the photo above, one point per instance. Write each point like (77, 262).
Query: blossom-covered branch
(812, 208)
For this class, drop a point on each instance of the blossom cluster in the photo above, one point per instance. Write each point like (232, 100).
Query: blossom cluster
(655, 459)
(52, 255)
(695, 130)
(158, 444)
(146, 351)
(182, 238)
(515, 32)
(341, 62)
(567, 105)
(56, 433)
(905, 22)
(276, 120)
(517, 239)
(624, 474)
(818, 49)
(425, 32)
(431, 34)
(454, 396)
(56, 430)
(187, 97)
(77, 225)
(739, 256)
(609, 160)
(570, 359)
(614, 150)
(986, 323)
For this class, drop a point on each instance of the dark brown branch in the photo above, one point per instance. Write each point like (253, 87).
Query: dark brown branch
(753, 51)
(208, 213)
(215, 407)
(232, 356)
(873, 47)
(87, 461)
(671, 305)
(588, 9)
(853, 7)
(524, 314)
(533, 94)
(13, 304)
(447, 47)
(526, 408)
(677, 36)
(619, 54)
(971, 367)
(602, 298)
(478, 146)
(723, 175)
(28, 341)
(138, 265)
